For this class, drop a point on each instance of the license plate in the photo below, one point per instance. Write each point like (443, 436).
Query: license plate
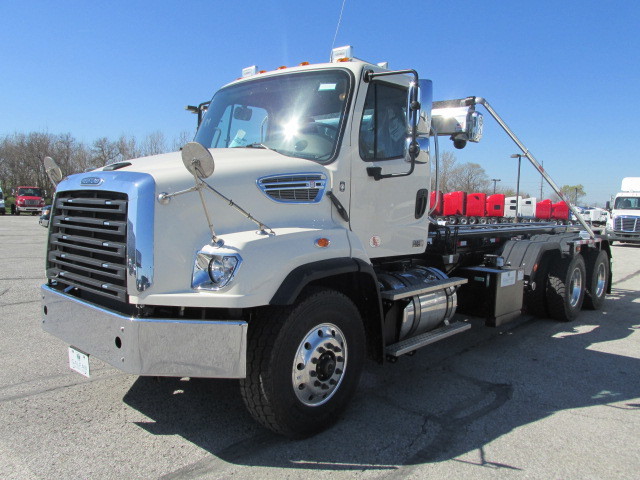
(79, 361)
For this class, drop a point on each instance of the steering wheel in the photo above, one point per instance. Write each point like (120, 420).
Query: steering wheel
(318, 127)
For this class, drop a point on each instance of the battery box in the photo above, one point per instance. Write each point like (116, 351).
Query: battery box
(492, 293)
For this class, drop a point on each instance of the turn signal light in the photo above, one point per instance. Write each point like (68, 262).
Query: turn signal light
(322, 242)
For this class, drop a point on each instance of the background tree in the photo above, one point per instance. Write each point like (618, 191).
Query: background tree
(573, 193)
(21, 154)
(469, 177)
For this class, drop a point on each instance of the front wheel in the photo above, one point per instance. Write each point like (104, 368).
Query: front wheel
(304, 363)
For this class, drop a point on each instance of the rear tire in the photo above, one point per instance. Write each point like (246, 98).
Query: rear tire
(597, 279)
(535, 300)
(303, 363)
(565, 288)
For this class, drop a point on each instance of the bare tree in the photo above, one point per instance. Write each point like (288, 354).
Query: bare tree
(446, 167)
(154, 144)
(469, 177)
(181, 140)
(104, 152)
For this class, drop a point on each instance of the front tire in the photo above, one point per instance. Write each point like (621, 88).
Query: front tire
(303, 363)
(565, 288)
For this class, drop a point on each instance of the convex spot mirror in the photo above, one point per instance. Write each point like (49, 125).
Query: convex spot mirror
(53, 171)
(198, 160)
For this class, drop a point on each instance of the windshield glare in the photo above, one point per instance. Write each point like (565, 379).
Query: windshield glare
(29, 192)
(299, 115)
(627, 203)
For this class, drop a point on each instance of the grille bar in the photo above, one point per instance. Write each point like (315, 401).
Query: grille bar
(87, 244)
(84, 283)
(77, 262)
(626, 224)
(90, 245)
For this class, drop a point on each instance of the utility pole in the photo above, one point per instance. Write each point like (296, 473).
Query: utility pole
(541, 179)
(519, 157)
(495, 180)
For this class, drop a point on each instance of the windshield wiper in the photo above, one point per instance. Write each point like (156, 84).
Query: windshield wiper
(260, 145)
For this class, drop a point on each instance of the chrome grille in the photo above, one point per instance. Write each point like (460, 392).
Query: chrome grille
(32, 203)
(294, 188)
(626, 224)
(87, 242)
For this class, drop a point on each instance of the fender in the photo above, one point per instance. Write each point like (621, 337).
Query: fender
(353, 277)
(303, 275)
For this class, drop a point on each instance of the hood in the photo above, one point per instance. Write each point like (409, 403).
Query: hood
(250, 178)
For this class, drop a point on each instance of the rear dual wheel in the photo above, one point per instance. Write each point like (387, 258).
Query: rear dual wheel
(597, 264)
(303, 363)
(565, 290)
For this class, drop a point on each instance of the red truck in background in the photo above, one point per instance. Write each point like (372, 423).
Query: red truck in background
(28, 200)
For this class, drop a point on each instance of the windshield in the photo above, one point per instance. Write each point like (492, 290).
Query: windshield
(299, 115)
(29, 192)
(627, 203)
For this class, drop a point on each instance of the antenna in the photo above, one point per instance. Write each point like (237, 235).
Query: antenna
(338, 26)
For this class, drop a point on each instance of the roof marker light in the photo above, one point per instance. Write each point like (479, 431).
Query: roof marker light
(249, 71)
(282, 67)
(340, 53)
(302, 64)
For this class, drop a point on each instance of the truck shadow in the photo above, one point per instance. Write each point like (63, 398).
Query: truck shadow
(446, 401)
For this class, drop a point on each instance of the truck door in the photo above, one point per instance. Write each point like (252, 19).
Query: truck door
(388, 215)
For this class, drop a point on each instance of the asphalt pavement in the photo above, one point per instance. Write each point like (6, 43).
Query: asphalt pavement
(531, 399)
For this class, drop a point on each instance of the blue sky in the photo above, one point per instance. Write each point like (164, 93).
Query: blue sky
(563, 75)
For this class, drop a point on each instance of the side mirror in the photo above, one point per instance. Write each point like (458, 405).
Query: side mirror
(607, 206)
(419, 100)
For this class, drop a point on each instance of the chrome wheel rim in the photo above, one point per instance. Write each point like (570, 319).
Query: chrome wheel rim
(601, 281)
(319, 365)
(575, 287)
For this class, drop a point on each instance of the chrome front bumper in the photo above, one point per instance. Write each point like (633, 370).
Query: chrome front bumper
(622, 236)
(164, 347)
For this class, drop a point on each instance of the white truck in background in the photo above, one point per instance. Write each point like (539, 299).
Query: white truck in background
(624, 223)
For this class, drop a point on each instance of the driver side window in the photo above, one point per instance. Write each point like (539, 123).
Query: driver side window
(383, 124)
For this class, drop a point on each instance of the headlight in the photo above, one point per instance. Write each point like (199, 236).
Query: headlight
(212, 272)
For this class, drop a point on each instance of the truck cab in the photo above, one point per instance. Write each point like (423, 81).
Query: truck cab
(290, 240)
(624, 223)
(29, 200)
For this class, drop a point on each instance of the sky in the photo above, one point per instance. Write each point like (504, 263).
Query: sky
(558, 73)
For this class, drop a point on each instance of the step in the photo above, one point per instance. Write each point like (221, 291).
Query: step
(413, 343)
(422, 289)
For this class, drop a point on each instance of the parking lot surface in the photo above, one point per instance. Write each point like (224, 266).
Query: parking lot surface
(532, 399)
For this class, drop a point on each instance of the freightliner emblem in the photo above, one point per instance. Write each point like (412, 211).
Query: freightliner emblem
(91, 181)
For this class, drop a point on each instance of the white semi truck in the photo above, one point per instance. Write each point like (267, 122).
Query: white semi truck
(292, 239)
(624, 222)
